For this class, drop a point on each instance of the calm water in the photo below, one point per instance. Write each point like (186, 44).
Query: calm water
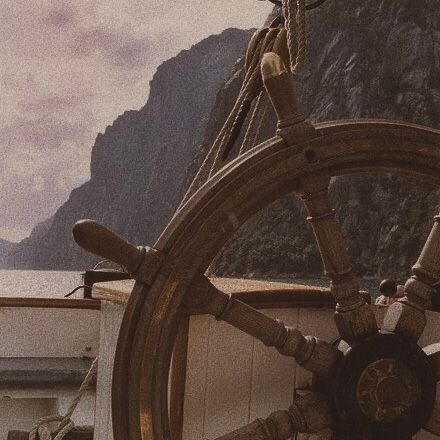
(55, 284)
(39, 283)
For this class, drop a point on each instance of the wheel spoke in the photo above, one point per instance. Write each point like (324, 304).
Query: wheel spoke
(311, 353)
(354, 318)
(433, 352)
(433, 424)
(407, 316)
(307, 414)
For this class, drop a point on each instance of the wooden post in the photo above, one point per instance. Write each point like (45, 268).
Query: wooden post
(354, 319)
(407, 316)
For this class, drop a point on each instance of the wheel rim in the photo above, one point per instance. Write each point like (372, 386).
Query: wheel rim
(210, 218)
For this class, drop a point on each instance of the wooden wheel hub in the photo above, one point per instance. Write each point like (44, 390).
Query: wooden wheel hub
(384, 387)
(386, 390)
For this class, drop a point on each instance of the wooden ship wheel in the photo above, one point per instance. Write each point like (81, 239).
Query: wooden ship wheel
(376, 382)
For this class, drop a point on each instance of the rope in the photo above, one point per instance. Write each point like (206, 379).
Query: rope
(248, 92)
(294, 14)
(213, 159)
(65, 422)
(243, 96)
(295, 22)
(255, 124)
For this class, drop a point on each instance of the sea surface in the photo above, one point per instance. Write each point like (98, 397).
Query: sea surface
(39, 283)
(56, 284)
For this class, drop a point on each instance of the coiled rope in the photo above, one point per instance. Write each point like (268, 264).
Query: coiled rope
(65, 424)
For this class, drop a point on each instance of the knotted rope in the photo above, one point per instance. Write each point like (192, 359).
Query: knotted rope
(295, 22)
(66, 424)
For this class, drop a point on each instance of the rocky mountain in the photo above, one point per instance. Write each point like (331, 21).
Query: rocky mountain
(139, 163)
(368, 59)
(5, 249)
(373, 59)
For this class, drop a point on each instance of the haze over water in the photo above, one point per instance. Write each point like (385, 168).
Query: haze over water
(39, 283)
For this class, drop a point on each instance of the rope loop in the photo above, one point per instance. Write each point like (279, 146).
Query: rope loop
(65, 424)
(41, 429)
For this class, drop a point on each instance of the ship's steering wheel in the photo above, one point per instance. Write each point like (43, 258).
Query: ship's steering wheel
(376, 382)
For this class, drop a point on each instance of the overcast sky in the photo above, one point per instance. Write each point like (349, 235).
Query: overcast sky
(68, 69)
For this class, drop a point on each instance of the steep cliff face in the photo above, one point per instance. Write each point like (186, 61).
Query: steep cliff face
(373, 59)
(139, 163)
(6, 248)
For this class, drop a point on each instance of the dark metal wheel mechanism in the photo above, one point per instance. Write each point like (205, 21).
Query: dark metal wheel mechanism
(377, 383)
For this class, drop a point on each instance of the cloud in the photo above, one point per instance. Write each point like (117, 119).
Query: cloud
(43, 133)
(69, 69)
(61, 16)
(50, 104)
(120, 49)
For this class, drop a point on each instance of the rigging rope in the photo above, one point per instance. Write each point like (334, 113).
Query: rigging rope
(294, 18)
(255, 124)
(213, 160)
(295, 22)
(65, 422)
